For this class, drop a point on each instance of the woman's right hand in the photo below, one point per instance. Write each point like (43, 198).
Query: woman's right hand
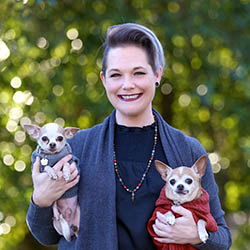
(47, 190)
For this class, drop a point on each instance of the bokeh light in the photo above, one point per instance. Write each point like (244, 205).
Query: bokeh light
(16, 82)
(72, 34)
(77, 44)
(178, 41)
(173, 7)
(10, 220)
(10, 34)
(15, 113)
(197, 40)
(26, 150)
(42, 43)
(178, 68)
(11, 126)
(166, 88)
(4, 228)
(8, 159)
(202, 90)
(184, 100)
(40, 117)
(20, 166)
(58, 90)
(60, 121)
(4, 51)
(25, 120)
(204, 114)
(4, 97)
(20, 136)
(19, 97)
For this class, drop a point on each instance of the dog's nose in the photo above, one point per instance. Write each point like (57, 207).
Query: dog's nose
(52, 145)
(180, 187)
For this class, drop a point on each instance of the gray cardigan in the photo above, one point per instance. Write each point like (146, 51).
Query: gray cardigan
(97, 194)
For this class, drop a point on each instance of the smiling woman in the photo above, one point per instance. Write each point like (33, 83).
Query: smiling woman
(119, 183)
(128, 81)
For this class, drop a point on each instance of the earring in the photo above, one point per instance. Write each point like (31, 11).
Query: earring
(157, 84)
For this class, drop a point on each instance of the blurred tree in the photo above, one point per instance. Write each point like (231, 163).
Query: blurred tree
(50, 59)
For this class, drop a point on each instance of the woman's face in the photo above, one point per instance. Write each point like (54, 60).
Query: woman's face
(130, 84)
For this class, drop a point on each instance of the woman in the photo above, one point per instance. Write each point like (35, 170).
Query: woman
(118, 183)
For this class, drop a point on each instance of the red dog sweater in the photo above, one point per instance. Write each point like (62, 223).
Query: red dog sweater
(199, 208)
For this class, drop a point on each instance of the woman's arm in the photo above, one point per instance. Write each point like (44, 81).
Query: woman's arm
(221, 239)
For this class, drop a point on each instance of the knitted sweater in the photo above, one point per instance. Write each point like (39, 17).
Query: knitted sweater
(199, 208)
(53, 159)
(97, 194)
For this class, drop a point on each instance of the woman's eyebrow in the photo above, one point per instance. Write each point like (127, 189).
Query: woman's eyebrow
(139, 67)
(135, 68)
(113, 70)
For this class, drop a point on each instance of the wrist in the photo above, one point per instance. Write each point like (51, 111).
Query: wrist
(40, 201)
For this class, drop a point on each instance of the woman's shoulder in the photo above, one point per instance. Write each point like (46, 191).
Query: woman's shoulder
(83, 134)
(186, 142)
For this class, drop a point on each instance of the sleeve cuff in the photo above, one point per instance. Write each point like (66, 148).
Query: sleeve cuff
(39, 215)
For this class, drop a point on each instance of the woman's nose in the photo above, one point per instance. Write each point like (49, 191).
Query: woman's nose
(128, 83)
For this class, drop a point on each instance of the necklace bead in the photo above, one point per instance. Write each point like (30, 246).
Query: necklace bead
(133, 191)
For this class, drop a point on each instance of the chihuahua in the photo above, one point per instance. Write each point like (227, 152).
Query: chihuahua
(183, 187)
(52, 146)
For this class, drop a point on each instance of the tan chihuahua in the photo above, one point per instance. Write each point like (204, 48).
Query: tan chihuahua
(183, 186)
(52, 146)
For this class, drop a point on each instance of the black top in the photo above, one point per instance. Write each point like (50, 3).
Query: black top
(133, 146)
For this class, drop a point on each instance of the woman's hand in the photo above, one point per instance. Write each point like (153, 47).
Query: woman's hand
(184, 231)
(47, 190)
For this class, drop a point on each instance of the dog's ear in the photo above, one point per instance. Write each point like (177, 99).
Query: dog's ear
(32, 130)
(200, 166)
(70, 131)
(163, 169)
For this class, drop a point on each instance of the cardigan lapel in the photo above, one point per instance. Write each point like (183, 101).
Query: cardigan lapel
(176, 149)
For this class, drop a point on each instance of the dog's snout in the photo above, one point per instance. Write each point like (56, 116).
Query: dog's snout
(180, 187)
(52, 145)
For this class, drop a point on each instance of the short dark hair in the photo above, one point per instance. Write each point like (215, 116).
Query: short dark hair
(138, 35)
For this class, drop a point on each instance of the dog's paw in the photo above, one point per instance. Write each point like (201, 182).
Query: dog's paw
(66, 177)
(51, 172)
(66, 171)
(201, 226)
(170, 218)
(203, 236)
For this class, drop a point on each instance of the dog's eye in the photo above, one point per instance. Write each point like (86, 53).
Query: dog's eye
(188, 181)
(45, 138)
(172, 182)
(59, 138)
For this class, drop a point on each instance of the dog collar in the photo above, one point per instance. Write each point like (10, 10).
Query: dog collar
(176, 203)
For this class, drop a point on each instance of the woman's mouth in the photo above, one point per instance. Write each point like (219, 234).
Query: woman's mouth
(129, 98)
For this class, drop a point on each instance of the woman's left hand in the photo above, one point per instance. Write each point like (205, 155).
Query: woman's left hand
(184, 231)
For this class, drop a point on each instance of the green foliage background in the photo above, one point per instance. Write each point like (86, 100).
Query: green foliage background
(50, 59)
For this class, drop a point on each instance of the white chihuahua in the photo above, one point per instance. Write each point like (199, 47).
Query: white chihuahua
(52, 146)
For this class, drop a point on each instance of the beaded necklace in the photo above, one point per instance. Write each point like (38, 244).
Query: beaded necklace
(133, 191)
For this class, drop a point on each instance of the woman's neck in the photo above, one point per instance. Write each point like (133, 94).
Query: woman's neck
(135, 120)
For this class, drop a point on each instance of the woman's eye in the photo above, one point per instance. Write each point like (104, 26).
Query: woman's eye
(140, 73)
(115, 75)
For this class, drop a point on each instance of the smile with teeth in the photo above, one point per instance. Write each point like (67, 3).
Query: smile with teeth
(129, 97)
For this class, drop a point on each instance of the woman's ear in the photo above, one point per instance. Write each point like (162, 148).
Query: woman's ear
(102, 76)
(158, 74)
